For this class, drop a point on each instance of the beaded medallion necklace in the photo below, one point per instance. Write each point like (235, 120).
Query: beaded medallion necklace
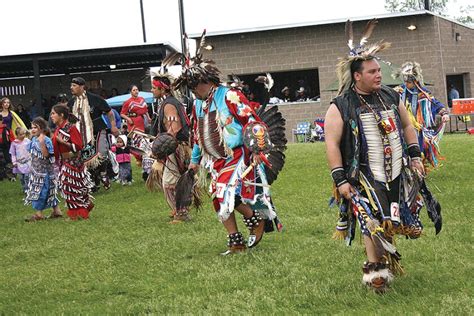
(386, 126)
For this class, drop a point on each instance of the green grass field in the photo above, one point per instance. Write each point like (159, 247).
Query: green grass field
(128, 259)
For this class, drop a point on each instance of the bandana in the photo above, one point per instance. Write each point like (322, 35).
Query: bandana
(160, 84)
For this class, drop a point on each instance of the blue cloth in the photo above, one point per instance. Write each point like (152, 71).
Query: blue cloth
(453, 94)
(118, 119)
(35, 149)
(41, 176)
(413, 95)
(232, 131)
(42, 202)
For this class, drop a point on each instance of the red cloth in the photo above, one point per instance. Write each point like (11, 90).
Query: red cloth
(79, 212)
(139, 108)
(225, 170)
(241, 114)
(243, 111)
(74, 139)
(9, 134)
(254, 105)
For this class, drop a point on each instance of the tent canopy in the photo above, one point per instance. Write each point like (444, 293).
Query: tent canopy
(120, 99)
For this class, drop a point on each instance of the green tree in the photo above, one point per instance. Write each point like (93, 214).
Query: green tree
(466, 15)
(437, 6)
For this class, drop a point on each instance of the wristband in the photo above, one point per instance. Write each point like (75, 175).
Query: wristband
(339, 176)
(414, 150)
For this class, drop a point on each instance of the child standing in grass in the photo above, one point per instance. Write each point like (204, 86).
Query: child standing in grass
(74, 179)
(21, 157)
(42, 193)
(122, 152)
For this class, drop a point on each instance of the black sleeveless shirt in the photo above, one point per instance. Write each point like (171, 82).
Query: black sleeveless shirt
(183, 134)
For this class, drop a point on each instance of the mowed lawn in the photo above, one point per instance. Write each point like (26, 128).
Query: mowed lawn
(127, 259)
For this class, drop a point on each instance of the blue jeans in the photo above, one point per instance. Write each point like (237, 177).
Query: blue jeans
(24, 181)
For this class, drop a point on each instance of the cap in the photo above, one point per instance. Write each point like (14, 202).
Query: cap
(78, 80)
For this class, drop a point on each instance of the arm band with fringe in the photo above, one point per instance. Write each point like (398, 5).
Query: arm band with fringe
(414, 150)
(339, 176)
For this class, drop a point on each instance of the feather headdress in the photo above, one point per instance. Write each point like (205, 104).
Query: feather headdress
(409, 71)
(194, 69)
(359, 52)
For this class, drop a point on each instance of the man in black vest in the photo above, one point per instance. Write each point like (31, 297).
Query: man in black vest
(88, 108)
(172, 119)
(375, 158)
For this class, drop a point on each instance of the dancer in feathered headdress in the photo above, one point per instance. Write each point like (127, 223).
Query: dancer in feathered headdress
(422, 109)
(222, 122)
(171, 146)
(369, 141)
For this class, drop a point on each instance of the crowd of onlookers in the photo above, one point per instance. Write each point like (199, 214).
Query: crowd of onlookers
(34, 110)
(22, 132)
(277, 94)
(299, 95)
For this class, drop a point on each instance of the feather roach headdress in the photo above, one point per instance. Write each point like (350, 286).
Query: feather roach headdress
(360, 52)
(410, 71)
(195, 69)
(162, 78)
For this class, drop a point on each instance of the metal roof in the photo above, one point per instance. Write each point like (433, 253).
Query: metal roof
(90, 60)
(325, 22)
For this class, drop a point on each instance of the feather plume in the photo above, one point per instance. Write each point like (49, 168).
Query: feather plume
(349, 34)
(269, 114)
(186, 53)
(200, 44)
(154, 180)
(277, 161)
(184, 190)
(269, 82)
(197, 197)
(375, 48)
(172, 59)
(369, 28)
(343, 71)
(276, 130)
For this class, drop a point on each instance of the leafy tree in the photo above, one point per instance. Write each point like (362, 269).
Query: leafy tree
(466, 16)
(437, 6)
